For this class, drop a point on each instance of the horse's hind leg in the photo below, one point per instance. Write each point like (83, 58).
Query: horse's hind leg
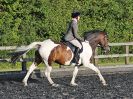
(37, 61)
(31, 69)
(48, 72)
(94, 68)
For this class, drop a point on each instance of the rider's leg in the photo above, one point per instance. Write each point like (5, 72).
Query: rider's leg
(76, 55)
(76, 43)
(77, 52)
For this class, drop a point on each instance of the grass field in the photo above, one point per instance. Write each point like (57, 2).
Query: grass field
(17, 67)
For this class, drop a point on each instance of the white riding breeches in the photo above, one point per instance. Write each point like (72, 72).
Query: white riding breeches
(76, 43)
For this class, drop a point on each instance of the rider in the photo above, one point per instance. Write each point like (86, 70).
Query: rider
(72, 35)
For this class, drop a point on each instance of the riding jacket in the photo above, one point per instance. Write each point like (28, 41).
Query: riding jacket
(72, 31)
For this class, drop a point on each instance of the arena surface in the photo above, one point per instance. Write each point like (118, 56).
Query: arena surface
(120, 86)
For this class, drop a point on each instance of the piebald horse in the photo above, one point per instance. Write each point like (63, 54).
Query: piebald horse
(48, 51)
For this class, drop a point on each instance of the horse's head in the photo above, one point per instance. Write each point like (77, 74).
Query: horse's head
(96, 37)
(103, 41)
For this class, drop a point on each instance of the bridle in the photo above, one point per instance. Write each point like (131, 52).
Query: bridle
(105, 47)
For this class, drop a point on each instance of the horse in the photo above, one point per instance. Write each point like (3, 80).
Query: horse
(49, 51)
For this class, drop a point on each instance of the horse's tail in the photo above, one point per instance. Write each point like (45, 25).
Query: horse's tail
(20, 51)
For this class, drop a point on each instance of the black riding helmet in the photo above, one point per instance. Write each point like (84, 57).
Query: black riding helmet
(75, 14)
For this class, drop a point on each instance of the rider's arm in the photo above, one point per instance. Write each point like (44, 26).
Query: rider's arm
(75, 30)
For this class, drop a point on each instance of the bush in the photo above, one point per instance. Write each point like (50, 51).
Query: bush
(25, 21)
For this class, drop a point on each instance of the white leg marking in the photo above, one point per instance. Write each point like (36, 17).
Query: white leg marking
(31, 69)
(47, 73)
(74, 76)
(94, 68)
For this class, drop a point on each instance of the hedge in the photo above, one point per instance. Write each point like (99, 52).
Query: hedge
(25, 21)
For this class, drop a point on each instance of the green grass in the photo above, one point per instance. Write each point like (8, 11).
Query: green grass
(113, 61)
(17, 67)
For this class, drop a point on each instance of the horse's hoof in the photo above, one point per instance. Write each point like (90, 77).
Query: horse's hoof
(73, 84)
(105, 84)
(55, 85)
(25, 84)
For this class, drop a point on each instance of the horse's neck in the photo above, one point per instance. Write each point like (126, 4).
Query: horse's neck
(93, 45)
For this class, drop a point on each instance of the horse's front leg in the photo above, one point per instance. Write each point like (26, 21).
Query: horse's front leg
(94, 68)
(74, 76)
(31, 69)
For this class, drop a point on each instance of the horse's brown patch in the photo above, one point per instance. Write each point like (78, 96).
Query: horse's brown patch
(60, 54)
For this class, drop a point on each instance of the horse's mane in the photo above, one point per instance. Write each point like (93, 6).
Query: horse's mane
(92, 34)
(93, 31)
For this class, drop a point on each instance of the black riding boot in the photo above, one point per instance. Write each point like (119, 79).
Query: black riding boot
(76, 56)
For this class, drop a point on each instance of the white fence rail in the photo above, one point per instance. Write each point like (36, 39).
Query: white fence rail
(126, 54)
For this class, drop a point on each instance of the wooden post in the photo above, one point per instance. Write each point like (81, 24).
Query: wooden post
(127, 57)
(60, 66)
(24, 63)
(95, 54)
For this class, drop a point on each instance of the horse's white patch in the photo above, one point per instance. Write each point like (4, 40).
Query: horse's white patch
(68, 48)
(46, 48)
(85, 55)
(87, 51)
(68, 62)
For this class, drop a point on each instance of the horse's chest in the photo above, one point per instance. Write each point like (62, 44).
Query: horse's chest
(87, 51)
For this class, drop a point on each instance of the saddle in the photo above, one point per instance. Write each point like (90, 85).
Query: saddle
(74, 49)
(71, 46)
